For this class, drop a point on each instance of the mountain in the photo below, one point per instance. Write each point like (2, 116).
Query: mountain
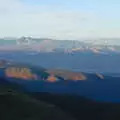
(16, 105)
(105, 46)
(33, 92)
(32, 79)
(82, 108)
(48, 106)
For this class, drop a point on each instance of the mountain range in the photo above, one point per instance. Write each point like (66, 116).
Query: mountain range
(97, 46)
(42, 78)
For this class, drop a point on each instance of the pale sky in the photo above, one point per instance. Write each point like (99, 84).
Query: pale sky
(61, 19)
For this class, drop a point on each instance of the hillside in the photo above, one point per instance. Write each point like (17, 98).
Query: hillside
(95, 86)
(82, 108)
(19, 106)
(33, 93)
(46, 106)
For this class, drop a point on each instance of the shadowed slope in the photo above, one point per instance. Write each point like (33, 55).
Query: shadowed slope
(82, 108)
(18, 106)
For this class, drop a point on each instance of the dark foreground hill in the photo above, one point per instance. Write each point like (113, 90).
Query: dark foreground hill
(18, 106)
(82, 108)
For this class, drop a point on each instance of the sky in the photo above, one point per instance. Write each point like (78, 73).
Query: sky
(60, 19)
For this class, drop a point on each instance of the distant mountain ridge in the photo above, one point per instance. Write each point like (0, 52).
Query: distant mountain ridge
(69, 46)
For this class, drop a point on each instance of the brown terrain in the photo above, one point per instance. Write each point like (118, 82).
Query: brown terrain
(67, 75)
